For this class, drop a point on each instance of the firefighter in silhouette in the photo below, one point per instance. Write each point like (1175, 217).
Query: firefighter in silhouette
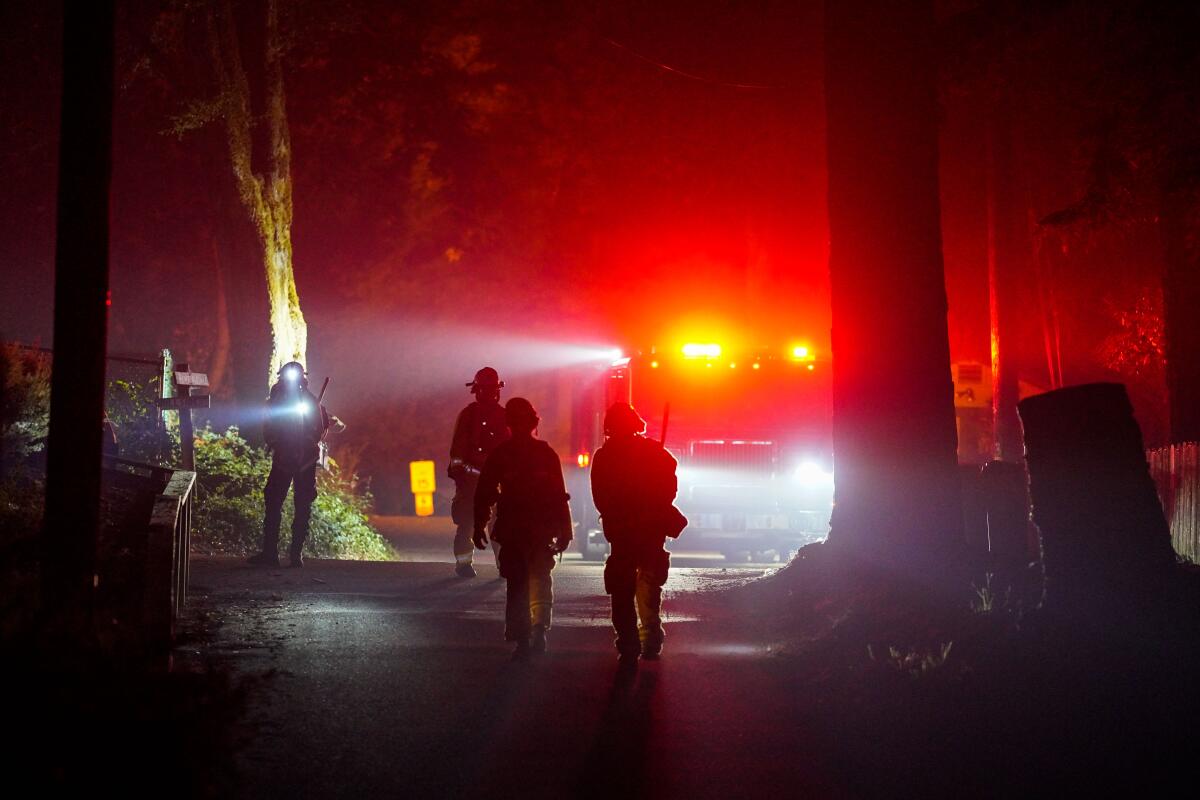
(634, 486)
(294, 426)
(523, 479)
(479, 429)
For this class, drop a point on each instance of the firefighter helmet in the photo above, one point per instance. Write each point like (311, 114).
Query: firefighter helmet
(520, 414)
(486, 378)
(293, 372)
(621, 419)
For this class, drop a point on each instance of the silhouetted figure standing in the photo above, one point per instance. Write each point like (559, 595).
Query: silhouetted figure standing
(480, 427)
(295, 423)
(523, 479)
(634, 487)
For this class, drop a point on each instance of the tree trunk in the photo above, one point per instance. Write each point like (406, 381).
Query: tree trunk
(80, 322)
(1103, 534)
(219, 366)
(897, 488)
(1179, 222)
(267, 200)
(1007, 251)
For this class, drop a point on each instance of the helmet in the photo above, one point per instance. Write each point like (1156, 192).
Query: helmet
(486, 377)
(293, 372)
(621, 419)
(520, 414)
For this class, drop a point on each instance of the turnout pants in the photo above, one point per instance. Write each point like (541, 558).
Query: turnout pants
(302, 478)
(462, 513)
(530, 597)
(634, 577)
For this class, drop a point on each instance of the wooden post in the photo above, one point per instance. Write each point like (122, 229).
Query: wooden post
(68, 552)
(187, 435)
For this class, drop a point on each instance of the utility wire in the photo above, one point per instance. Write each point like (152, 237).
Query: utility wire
(688, 75)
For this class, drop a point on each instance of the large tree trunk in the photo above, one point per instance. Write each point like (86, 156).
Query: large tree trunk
(1105, 541)
(268, 200)
(1180, 224)
(80, 321)
(1007, 251)
(897, 487)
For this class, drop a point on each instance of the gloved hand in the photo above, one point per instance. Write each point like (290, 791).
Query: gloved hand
(480, 539)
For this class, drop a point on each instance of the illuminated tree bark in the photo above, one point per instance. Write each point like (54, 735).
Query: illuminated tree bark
(267, 198)
(897, 492)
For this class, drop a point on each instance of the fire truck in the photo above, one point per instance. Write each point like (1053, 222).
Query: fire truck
(751, 432)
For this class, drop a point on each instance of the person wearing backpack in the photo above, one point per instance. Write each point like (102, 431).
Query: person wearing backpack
(523, 479)
(634, 487)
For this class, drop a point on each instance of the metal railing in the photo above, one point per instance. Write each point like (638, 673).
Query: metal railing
(1176, 472)
(168, 543)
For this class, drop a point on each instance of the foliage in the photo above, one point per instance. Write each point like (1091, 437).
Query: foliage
(915, 663)
(142, 434)
(229, 509)
(1138, 347)
(24, 404)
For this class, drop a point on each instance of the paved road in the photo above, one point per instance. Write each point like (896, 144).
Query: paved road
(392, 680)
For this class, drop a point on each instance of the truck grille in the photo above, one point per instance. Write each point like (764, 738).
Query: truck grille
(733, 454)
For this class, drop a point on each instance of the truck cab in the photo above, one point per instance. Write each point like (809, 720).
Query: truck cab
(751, 432)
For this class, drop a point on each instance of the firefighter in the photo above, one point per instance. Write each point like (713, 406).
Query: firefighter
(523, 479)
(634, 486)
(294, 425)
(479, 429)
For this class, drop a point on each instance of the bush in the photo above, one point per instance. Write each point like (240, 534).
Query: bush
(142, 435)
(24, 405)
(229, 505)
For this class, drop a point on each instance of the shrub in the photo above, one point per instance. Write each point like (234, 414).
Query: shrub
(229, 505)
(24, 405)
(143, 436)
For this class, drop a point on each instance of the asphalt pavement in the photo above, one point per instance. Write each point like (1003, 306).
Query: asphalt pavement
(392, 679)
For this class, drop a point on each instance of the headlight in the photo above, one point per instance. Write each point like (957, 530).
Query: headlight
(810, 473)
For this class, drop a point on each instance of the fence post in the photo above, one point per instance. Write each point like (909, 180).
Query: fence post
(187, 435)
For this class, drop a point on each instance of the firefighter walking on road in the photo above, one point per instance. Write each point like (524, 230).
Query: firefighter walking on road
(634, 487)
(523, 479)
(480, 427)
(294, 426)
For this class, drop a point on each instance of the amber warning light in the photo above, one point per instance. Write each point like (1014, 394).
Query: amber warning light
(583, 459)
(693, 350)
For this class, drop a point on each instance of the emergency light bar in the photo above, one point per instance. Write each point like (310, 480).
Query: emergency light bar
(692, 350)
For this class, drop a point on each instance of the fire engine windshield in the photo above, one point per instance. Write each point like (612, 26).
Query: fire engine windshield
(780, 400)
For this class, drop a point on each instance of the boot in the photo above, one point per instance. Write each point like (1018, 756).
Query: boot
(522, 651)
(464, 570)
(538, 640)
(264, 559)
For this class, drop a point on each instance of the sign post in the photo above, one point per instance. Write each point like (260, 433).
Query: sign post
(424, 483)
(183, 380)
